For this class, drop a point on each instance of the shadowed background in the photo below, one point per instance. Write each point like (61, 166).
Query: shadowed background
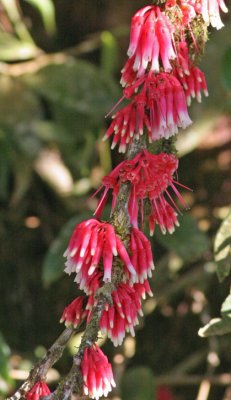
(60, 67)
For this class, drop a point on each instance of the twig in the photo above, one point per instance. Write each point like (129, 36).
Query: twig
(72, 383)
(191, 380)
(40, 370)
(44, 59)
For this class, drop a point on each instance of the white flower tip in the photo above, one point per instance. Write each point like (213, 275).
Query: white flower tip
(91, 269)
(82, 252)
(113, 145)
(114, 251)
(65, 254)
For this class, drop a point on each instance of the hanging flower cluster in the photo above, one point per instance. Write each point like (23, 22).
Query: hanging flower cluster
(39, 390)
(97, 373)
(150, 177)
(159, 79)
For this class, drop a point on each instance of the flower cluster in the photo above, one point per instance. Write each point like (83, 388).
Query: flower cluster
(151, 177)
(39, 390)
(92, 243)
(122, 315)
(160, 107)
(159, 80)
(97, 373)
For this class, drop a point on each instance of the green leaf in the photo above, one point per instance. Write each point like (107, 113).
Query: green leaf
(222, 249)
(80, 94)
(12, 49)
(4, 356)
(217, 326)
(47, 11)
(226, 307)
(187, 240)
(138, 384)
(109, 53)
(53, 265)
(225, 69)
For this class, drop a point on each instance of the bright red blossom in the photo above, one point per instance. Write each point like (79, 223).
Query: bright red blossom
(122, 315)
(39, 390)
(160, 107)
(151, 41)
(97, 373)
(141, 256)
(93, 242)
(151, 177)
(74, 313)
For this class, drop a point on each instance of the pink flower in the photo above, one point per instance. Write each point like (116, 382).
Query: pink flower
(165, 216)
(141, 256)
(39, 390)
(97, 373)
(122, 315)
(151, 42)
(94, 242)
(160, 108)
(129, 122)
(75, 312)
(151, 177)
(193, 83)
(191, 78)
(210, 11)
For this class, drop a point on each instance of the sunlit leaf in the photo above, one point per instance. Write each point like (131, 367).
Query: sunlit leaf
(187, 241)
(47, 11)
(109, 52)
(12, 49)
(226, 307)
(222, 248)
(217, 326)
(4, 357)
(138, 384)
(53, 265)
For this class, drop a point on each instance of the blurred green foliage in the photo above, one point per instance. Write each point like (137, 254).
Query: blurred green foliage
(59, 64)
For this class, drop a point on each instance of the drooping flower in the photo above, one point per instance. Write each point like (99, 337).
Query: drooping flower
(159, 108)
(130, 122)
(93, 243)
(151, 177)
(193, 83)
(75, 312)
(39, 390)
(122, 315)
(97, 373)
(141, 256)
(191, 77)
(165, 217)
(210, 11)
(151, 42)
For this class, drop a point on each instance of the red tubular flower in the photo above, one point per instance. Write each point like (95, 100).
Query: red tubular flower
(151, 177)
(160, 107)
(141, 256)
(74, 313)
(129, 123)
(151, 43)
(97, 373)
(39, 390)
(94, 242)
(122, 316)
(191, 78)
(210, 11)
